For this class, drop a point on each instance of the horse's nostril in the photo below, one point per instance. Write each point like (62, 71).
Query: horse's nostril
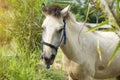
(52, 56)
(46, 59)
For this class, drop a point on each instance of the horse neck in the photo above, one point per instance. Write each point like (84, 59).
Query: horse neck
(72, 32)
(76, 40)
(78, 43)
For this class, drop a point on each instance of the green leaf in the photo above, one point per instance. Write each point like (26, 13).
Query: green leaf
(88, 10)
(103, 16)
(97, 26)
(113, 22)
(65, 2)
(99, 51)
(92, 11)
(117, 8)
(114, 53)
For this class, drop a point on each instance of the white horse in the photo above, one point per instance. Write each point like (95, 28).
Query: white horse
(81, 58)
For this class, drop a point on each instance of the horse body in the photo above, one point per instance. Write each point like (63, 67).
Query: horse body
(81, 59)
(81, 54)
(107, 45)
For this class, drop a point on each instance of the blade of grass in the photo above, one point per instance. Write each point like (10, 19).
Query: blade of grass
(99, 51)
(97, 26)
(86, 18)
(118, 10)
(60, 2)
(114, 53)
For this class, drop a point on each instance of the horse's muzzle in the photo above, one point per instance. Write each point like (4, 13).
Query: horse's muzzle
(48, 60)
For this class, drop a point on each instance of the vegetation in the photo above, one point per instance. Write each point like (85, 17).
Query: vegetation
(20, 35)
(111, 9)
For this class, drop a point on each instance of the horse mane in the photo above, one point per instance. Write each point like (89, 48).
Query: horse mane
(54, 10)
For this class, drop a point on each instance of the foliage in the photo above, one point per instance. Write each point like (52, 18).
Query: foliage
(20, 35)
(16, 65)
(80, 12)
(112, 19)
(115, 52)
(27, 22)
(79, 8)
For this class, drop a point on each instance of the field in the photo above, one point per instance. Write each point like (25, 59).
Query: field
(16, 65)
(20, 34)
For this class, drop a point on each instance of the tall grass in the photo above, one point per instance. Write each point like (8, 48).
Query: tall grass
(20, 34)
(20, 52)
(16, 65)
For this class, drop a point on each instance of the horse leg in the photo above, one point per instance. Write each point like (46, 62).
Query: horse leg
(87, 77)
(118, 78)
(78, 71)
(70, 78)
(82, 78)
(81, 72)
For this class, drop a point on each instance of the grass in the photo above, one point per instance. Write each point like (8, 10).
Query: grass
(17, 65)
(21, 21)
(19, 43)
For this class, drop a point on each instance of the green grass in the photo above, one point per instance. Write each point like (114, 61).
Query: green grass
(20, 53)
(17, 65)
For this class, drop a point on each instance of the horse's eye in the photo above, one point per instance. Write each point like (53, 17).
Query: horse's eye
(60, 30)
(43, 28)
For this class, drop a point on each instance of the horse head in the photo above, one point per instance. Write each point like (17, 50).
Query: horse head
(54, 33)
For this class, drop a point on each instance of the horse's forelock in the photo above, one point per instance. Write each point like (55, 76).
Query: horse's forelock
(54, 10)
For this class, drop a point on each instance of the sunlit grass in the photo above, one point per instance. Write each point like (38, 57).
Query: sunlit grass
(6, 24)
(18, 29)
(16, 65)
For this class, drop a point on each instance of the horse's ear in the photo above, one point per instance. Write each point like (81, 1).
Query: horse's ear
(65, 11)
(44, 9)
